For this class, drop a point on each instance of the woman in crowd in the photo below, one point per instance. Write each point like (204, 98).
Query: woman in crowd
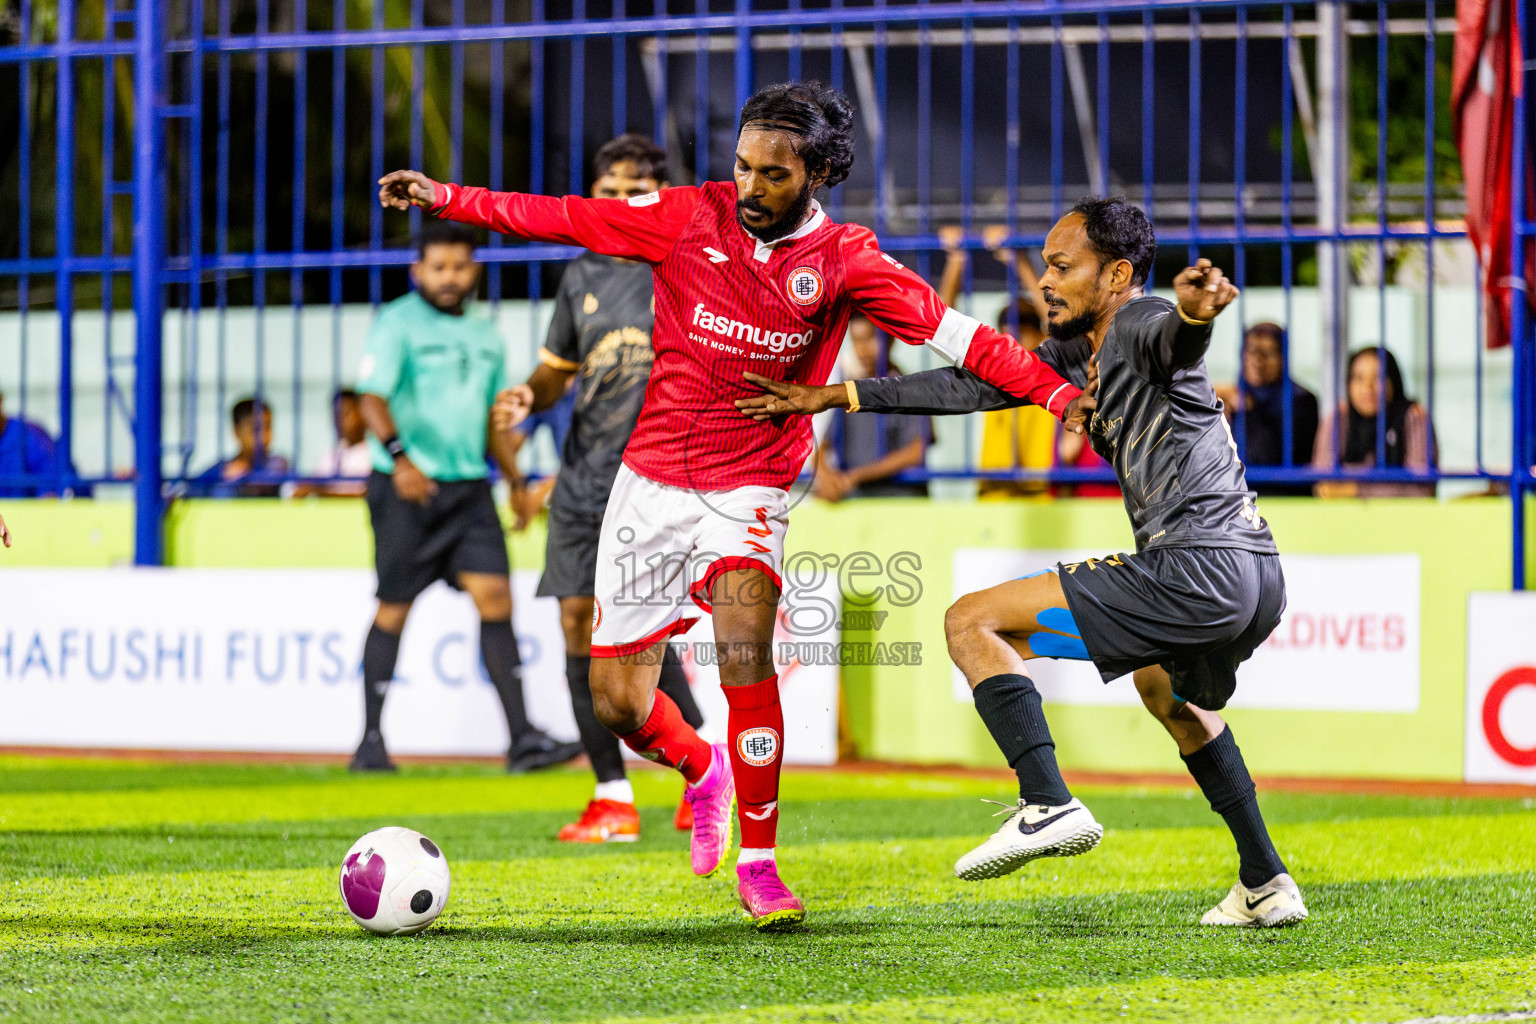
(1351, 433)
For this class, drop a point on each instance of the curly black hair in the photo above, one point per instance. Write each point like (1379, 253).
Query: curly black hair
(1118, 230)
(821, 117)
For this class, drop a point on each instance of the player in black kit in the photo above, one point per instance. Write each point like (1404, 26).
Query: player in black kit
(601, 335)
(1198, 596)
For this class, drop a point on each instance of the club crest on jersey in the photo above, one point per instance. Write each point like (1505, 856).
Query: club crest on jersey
(758, 746)
(803, 285)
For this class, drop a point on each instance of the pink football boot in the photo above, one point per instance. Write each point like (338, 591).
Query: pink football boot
(713, 801)
(765, 898)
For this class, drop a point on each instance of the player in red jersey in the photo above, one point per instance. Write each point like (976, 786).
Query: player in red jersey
(750, 276)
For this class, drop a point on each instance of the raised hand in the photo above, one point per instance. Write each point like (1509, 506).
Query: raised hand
(512, 407)
(401, 190)
(993, 236)
(781, 398)
(1080, 410)
(1203, 290)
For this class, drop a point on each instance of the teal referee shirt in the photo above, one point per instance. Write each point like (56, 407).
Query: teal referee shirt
(440, 374)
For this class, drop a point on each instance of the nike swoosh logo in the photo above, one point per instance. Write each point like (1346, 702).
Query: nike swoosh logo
(1030, 830)
(715, 255)
(768, 809)
(1254, 903)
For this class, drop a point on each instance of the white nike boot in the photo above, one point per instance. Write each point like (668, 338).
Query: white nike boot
(1277, 902)
(1032, 830)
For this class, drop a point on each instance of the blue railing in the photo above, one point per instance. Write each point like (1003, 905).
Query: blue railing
(246, 137)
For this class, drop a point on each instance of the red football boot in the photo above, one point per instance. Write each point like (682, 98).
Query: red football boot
(604, 821)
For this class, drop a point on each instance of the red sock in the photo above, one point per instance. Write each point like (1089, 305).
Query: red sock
(757, 747)
(666, 739)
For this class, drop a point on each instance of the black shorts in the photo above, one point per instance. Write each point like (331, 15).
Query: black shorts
(1198, 612)
(414, 545)
(570, 555)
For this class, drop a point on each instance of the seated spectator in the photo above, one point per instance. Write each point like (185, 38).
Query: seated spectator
(254, 472)
(349, 457)
(1350, 434)
(1260, 431)
(862, 452)
(26, 450)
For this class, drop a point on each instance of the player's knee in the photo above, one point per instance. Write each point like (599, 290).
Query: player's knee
(391, 617)
(963, 618)
(495, 604)
(615, 704)
(1156, 693)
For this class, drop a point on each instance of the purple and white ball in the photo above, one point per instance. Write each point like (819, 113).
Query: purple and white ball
(394, 881)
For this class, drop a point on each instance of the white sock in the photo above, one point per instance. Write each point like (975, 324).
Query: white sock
(752, 854)
(618, 789)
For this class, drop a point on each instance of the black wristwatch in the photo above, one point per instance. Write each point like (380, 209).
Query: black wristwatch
(394, 447)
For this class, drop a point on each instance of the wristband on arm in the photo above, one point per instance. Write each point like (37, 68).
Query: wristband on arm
(394, 447)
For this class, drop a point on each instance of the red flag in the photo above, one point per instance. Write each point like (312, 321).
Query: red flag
(1485, 79)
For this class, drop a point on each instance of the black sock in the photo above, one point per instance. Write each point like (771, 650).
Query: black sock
(498, 649)
(674, 683)
(379, 653)
(1010, 705)
(1223, 777)
(601, 745)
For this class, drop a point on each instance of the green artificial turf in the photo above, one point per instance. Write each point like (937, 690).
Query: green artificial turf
(150, 892)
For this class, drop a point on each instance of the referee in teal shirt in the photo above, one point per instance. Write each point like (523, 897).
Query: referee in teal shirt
(430, 374)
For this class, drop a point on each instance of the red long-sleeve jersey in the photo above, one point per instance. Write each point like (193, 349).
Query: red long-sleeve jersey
(727, 303)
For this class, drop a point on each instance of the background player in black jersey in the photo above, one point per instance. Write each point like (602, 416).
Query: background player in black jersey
(601, 335)
(1200, 594)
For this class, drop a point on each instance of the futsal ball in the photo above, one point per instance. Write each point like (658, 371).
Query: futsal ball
(394, 881)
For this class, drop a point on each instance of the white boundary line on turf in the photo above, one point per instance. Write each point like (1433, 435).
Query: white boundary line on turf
(1475, 1018)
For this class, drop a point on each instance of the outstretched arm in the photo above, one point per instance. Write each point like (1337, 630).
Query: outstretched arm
(947, 391)
(901, 303)
(643, 228)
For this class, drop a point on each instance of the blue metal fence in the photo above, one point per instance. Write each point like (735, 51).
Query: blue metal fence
(243, 204)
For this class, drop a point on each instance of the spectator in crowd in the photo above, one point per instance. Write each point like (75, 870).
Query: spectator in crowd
(862, 453)
(26, 450)
(254, 472)
(349, 458)
(1351, 433)
(1260, 431)
(430, 373)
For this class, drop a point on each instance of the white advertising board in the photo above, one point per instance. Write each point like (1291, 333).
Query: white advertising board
(268, 660)
(1501, 688)
(1348, 641)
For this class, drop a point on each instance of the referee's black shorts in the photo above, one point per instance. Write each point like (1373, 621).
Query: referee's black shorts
(415, 545)
(1198, 612)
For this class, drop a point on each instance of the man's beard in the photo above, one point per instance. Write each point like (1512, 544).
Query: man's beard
(444, 300)
(1076, 326)
(775, 230)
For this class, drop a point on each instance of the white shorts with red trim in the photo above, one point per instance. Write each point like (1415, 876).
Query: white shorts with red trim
(661, 547)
